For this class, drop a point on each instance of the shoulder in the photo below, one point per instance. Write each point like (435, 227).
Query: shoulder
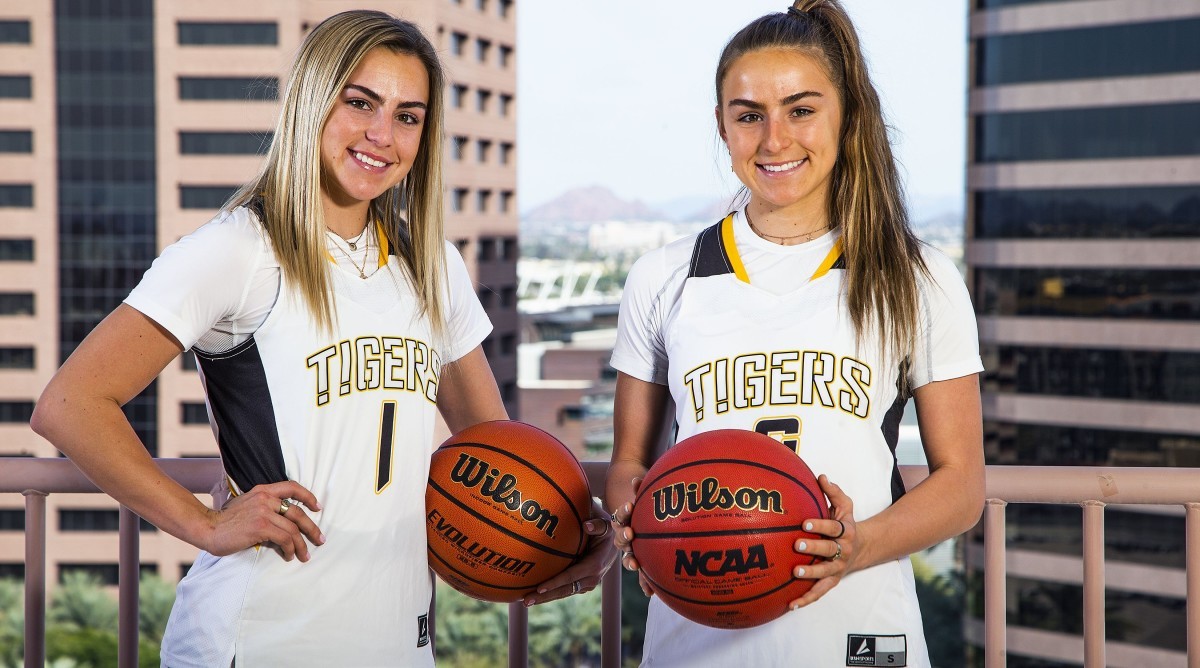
(942, 271)
(231, 236)
(664, 264)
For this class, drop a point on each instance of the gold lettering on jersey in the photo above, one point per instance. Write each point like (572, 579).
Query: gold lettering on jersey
(780, 378)
(371, 363)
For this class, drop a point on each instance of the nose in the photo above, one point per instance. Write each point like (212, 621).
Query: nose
(379, 130)
(775, 138)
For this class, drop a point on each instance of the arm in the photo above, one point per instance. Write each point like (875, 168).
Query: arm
(468, 394)
(80, 413)
(945, 504)
(638, 420)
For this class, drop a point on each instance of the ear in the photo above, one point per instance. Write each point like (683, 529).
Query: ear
(721, 125)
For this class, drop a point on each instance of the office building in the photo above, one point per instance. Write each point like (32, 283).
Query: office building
(126, 124)
(1083, 255)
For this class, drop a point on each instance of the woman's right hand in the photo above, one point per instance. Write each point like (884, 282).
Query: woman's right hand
(623, 538)
(253, 518)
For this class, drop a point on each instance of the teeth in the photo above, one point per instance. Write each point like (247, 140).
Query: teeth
(369, 161)
(782, 168)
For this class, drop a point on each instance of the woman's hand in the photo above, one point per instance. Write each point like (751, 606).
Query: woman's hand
(623, 538)
(837, 550)
(266, 514)
(585, 574)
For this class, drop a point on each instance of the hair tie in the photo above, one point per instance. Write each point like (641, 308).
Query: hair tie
(795, 12)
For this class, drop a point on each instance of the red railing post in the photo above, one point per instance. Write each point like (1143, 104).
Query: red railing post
(610, 620)
(1192, 557)
(128, 580)
(518, 635)
(1093, 584)
(35, 578)
(995, 568)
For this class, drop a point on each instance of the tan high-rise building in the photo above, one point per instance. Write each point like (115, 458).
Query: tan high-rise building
(1083, 251)
(124, 125)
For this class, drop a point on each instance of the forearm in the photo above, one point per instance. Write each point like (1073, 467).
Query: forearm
(944, 505)
(618, 486)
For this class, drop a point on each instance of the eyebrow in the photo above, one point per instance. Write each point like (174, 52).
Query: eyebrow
(791, 99)
(378, 99)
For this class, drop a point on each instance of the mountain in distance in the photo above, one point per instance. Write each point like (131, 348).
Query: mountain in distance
(592, 204)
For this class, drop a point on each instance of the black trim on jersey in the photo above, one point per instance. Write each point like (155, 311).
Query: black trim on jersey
(709, 256)
(891, 431)
(240, 399)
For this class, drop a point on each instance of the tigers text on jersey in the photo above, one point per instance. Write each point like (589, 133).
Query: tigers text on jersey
(751, 335)
(349, 415)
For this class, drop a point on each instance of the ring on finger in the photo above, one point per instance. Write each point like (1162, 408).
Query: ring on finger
(613, 518)
(575, 587)
(842, 531)
(284, 504)
(837, 553)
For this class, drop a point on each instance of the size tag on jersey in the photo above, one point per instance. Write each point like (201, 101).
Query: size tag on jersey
(422, 630)
(864, 650)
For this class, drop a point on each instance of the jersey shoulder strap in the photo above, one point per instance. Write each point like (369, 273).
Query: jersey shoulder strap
(710, 256)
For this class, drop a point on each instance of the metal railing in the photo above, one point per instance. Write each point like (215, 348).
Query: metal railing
(1091, 488)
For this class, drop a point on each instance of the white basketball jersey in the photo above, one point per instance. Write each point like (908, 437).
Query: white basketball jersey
(787, 365)
(350, 416)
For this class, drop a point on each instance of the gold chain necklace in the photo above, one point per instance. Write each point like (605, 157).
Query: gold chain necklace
(804, 236)
(362, 271)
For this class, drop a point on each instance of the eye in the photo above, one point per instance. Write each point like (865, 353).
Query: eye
(749, 117)
(802, 111)
(408, 118)
(358, 103)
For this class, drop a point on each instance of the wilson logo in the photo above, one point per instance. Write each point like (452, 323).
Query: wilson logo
(472, 472)
(708, 495)
(717, 563)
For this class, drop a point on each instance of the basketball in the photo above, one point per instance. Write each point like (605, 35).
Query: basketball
(715, 521)
(504, 510)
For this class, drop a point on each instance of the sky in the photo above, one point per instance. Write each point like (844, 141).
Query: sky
(619, 93)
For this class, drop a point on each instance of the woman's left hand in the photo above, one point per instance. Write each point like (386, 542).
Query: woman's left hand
(836, 551)
(584, 575)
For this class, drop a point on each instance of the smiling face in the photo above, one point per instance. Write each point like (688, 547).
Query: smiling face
(372, 134)
(781, 118)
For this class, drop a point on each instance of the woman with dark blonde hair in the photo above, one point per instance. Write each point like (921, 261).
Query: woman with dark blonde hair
(331, 322)
(810, 314)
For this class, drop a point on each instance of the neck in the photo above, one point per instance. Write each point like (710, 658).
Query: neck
(346, 222)
(787, 226)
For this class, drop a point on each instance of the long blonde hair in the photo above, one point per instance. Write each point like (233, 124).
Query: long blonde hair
(866, 200)
(289, 183)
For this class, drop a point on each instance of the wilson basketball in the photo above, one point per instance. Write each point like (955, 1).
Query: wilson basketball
(504, 510)
(715, 522)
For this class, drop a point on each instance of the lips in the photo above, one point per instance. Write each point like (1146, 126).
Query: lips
(781, 167)
(369, 161)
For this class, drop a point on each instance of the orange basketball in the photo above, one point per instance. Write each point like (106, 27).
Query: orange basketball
(715, 522)
(504, 510)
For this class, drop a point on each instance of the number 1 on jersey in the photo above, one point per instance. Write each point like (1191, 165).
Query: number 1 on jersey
(387, 437)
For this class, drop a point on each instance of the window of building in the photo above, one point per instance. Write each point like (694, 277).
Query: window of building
(458, 95)
(509, 248)
(483, 200)
(198, 33)
(505, 104)
(204, 197)
(1121, 50)
(486, 250)
(993, 4)
(1087, 134)
(506, 53)
(16, 357)
(508, 296)
(458, 200)
(240, 89)
(482, 98)
(14, 32)
(16, 141)
(16, 303)
(508, 391)
(1081, 213)
(12, 570)
(16, 195)
(482, 48)
(481, 5)
(1137, 375)
(16, 87)
(508, 344)
(485, 295)
(505, 8)
(16, 250)
(458, 43)
(225, 143)
(104, 519)
(460, 147)
(506, 201)
(506, 152)
(462, 245)
(12, 519)
(488, 346)
(193, 412)
(1033, 444)
(16, 412)
(1149, 294)
(482, 148)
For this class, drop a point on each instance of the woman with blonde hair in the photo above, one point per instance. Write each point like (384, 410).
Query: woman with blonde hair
(811, 314)
(331, 322)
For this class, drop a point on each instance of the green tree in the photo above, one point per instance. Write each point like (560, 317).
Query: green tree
(12, 622)
(155, 598)
(942, 599)
(634, 606)
(469, 633)
(566, 632)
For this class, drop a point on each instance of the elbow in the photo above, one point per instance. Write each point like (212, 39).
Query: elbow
(43, 419)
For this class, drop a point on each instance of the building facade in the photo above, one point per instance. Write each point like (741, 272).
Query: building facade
(126, 124)
(1083, 255)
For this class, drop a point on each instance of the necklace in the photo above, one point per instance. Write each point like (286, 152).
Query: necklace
(353, 243)
(804, 236)
(362, 271)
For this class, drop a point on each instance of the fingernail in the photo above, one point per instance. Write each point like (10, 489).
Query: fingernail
(799, 572)
(808, 526)
(795, 606)
(541, 590)
(322, 538)
(529, 602)
(628, 507)
(591, 525)
(802, 546)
